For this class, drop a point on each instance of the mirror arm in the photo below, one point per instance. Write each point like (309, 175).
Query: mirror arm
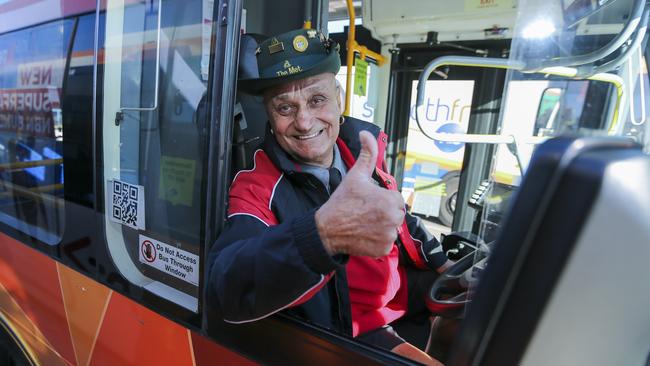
(631, 25)
(638, 22)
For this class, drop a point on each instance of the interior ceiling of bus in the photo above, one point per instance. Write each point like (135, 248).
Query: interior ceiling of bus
(338, 9)
(411, 20)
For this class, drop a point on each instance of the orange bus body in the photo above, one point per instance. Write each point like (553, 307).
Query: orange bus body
(62, 317)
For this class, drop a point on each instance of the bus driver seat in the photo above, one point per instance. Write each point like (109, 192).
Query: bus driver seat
(566, 283)
(249, 112)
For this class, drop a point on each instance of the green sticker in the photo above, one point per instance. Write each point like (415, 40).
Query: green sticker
(360, 76)
(177, 180)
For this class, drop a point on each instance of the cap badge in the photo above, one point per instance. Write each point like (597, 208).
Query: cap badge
(276, 46)
(300, 43)
(311, 33)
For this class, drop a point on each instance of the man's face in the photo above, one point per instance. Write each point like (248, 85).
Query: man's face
(304, 117)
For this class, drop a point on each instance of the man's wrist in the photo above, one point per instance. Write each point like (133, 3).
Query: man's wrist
(322, 233)
(310, 244)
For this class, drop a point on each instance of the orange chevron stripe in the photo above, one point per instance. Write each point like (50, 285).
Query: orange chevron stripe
(85, 301)
(134, 335)
(65, 318)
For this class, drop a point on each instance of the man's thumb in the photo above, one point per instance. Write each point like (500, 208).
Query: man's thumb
(365, 164)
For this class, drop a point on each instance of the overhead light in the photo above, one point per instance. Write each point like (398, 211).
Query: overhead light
(538, 29)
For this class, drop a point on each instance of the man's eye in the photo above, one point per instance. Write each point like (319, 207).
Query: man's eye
(317, 100)
(283, 109)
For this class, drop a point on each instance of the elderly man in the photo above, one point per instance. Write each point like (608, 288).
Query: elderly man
(315, 228)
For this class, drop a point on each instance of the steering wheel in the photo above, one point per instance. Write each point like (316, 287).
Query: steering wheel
(450, 292)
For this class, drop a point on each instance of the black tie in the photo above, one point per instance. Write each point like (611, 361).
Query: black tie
(335, 179)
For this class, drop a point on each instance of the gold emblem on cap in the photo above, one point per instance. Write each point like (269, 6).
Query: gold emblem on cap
(276, 46)
(311, 33)
(300, 43)
(287, 64)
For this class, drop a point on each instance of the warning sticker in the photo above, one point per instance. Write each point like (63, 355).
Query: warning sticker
(169, 259)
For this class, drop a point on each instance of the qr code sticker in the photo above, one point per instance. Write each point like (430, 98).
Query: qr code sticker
(127, 204)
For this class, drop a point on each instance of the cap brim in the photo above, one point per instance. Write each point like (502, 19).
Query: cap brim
(256, 86)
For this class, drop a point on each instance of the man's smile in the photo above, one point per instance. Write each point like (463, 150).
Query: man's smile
(310, 136)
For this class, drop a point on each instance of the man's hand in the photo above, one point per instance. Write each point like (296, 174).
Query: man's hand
(361, 218)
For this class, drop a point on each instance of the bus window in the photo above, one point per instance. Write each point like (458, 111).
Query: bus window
(154, 142)
(31, 129)
(536, 107)
(546, 108)
(362, 103)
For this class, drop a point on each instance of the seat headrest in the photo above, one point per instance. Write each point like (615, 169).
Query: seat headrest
(247, 59)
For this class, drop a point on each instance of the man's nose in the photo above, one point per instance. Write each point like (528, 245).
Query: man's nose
(304, 119)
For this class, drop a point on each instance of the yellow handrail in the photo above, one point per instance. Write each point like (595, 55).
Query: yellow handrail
(363, 51)
(29, 164)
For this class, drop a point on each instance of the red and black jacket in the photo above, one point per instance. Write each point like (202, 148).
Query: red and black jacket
(270, 257)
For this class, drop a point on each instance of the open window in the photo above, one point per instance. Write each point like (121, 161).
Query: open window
(154, 139)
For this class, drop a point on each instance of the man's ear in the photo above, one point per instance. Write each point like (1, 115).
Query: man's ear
(341, 94)
(339, 99)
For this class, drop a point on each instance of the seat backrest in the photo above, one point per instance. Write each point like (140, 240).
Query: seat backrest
(565, 284)
(250, 115)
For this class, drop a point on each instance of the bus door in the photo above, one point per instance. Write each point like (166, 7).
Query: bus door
(459, 100)
(154, 146)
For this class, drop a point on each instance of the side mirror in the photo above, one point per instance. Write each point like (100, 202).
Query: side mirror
(547, 112)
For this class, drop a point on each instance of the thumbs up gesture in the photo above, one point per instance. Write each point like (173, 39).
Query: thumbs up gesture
(361, 218)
